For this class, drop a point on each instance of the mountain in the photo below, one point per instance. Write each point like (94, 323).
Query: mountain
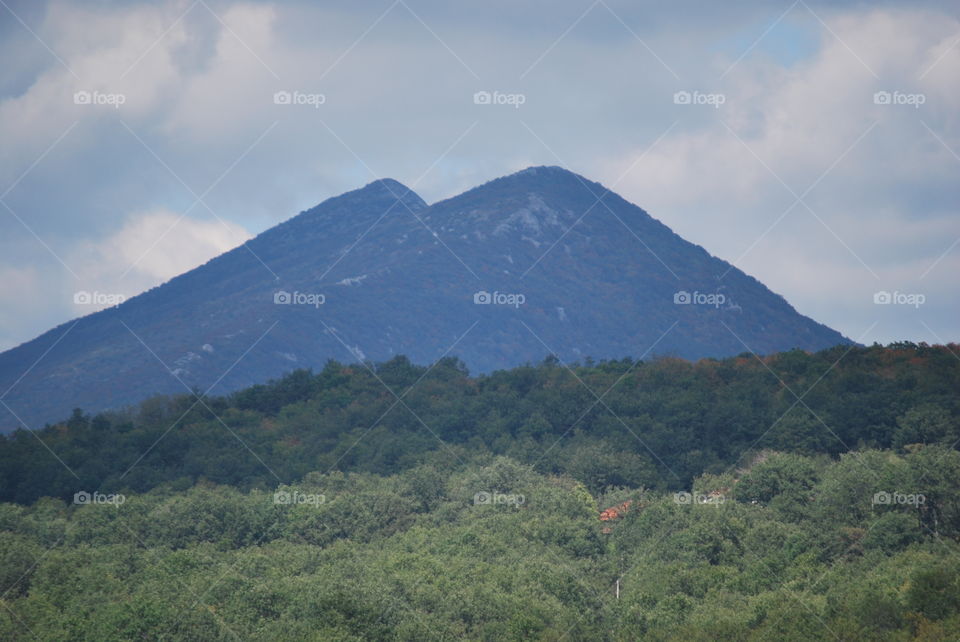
(542, 261)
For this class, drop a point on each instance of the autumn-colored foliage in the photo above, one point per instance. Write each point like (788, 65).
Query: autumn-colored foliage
(615, 512)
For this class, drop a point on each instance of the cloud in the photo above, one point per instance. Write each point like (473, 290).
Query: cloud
(151, 248)
(22, 297)
(884, 191)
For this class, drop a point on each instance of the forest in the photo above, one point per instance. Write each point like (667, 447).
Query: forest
(795, 496)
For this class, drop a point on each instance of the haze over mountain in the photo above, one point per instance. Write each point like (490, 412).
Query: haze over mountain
(538, 262)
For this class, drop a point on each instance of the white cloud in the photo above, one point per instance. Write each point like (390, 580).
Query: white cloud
(151, 248)
(881, 201)
(232, 91)
(22, 298)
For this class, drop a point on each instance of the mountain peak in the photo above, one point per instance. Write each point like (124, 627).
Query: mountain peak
(542, 170)
(389, 184)
(373, 199)
(546, 173)
(388, 188)
(535, 179)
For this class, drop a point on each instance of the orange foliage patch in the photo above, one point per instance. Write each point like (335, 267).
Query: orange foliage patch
(615, 512)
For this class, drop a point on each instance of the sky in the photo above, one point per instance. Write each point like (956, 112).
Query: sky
(814, 145)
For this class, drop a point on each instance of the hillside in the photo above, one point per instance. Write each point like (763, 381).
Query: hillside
(540, 262)
(658, 423)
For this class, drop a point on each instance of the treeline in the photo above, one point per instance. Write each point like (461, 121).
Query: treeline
(653, 424)
(788, 547)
